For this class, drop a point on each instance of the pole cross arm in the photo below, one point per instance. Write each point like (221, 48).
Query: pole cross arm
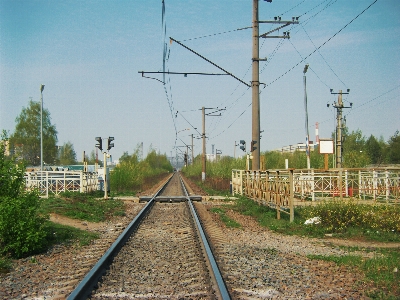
(214, 64)
(286, 23)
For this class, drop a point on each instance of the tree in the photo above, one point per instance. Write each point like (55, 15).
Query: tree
(26, 138)
(393, 150)
(354, 141)
(67, 154)
(374, 150)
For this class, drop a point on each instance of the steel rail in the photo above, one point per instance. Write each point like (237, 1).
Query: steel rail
(85, 287)
(216, 274)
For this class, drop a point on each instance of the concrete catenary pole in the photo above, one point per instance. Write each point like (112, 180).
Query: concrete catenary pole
(339, 119)
(339, 131)
(255, 84)
(203, 156)
(192, 151)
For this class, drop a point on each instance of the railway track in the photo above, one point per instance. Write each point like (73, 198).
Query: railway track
(163, 253)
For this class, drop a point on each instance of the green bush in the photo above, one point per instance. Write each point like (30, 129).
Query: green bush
(339, 216)
(21, 226)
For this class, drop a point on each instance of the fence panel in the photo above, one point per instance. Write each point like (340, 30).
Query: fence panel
(273, 187)
(56, 182)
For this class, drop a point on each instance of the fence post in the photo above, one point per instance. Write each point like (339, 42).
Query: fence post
(303, 182)
(387, 181)
(360, 185)
(233, 182)
(375, 183)
(341, 183)
(277, 197)
(291, 196)
(241, 182)
(47, 184)
(312, 185)
(81, 182)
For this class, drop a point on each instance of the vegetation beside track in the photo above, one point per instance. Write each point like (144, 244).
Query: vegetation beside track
(91, 207)
(133, 175)
(25, 228)
(343, 220)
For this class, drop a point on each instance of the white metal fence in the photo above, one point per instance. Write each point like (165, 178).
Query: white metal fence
(55, 182)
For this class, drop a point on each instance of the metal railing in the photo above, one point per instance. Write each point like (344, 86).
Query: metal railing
(55, 182)
(284, 189)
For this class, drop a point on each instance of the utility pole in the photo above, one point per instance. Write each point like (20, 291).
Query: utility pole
(203, 156)
(339, 137)
(306, 122)
(41, 126)
(203, 135)
(255, 88)
(255, 83)
(192, 151)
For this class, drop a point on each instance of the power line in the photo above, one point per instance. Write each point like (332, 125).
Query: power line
(324, 58)
(323, 44)
(369, 101)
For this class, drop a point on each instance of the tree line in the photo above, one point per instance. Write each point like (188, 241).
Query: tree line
(24, 144)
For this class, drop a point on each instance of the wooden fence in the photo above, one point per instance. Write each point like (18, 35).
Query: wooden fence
(284, 189)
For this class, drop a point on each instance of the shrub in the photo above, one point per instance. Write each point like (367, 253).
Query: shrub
(21, 227)
(338, 216)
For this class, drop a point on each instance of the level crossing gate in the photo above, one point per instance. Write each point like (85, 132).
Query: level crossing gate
(56, 182)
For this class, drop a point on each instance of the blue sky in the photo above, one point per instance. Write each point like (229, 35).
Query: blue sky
(88, 55)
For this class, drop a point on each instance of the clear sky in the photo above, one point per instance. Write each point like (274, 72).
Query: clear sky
(88, 55)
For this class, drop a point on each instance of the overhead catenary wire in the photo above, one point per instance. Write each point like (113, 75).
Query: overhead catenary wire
(323, 58)
(356, 108)
(270, 57)
(320, 46)
(310, 54)
(328, 3)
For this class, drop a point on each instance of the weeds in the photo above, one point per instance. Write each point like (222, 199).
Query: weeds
(5, 264)
(225, 219)
(83, 207)
(382, 270)
(62, 234)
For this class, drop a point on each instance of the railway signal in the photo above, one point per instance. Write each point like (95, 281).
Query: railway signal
(110, 143)
(252, 147)
(243, 145)
(99, 143)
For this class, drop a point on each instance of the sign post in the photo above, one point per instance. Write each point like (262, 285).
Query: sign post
(326, 147)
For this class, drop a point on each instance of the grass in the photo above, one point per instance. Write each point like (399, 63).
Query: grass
(87, 207)
(62, 234)
(382, 270)
(225, 219)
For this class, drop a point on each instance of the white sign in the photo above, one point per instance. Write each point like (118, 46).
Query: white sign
(325, 146)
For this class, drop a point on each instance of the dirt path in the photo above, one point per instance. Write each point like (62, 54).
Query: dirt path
(84, 225)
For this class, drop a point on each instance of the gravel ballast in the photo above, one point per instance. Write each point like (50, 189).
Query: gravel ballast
(255, 262)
